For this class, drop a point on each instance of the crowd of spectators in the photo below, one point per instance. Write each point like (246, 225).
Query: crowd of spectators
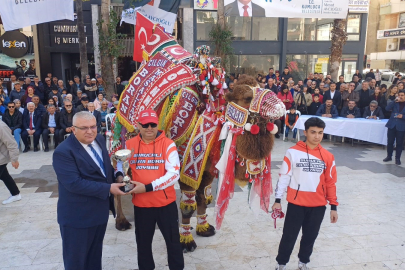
(33, 108)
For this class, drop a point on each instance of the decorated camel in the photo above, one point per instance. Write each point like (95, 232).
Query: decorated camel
(218, 133)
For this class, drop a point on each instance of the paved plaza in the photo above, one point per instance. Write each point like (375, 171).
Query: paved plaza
(370, 232)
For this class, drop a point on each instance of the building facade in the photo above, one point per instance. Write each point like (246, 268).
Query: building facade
(386, 38)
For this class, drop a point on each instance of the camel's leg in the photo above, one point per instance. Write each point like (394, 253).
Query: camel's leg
(187, 207)
(121, 222)
(204, 197)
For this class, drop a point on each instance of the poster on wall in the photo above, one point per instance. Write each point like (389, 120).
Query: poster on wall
(401, 23)
(336, 9)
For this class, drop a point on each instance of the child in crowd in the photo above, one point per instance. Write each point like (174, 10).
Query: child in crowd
(313, 108)
(290, 121)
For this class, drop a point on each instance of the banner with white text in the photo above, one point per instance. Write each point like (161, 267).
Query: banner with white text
(336, 9)
(17, 14)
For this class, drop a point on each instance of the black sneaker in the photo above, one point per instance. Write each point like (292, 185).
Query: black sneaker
(397, 161)
(387, 159)
(36, 149)
(277, 136)
(26, 149)
(46, 149)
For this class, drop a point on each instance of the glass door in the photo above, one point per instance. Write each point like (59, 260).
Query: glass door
(349, 68)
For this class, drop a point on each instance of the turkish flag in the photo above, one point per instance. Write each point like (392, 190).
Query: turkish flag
(143, 32)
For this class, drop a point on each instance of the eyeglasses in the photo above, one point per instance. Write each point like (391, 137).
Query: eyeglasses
(153, 125)
(10, 107)
(67, 106)
(86, 128)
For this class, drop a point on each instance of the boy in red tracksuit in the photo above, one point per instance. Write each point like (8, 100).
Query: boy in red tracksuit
(155, 168)
(308, 174)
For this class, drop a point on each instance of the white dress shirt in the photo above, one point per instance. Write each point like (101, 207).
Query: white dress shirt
(98, 150)
(332, 94)
(242, 10)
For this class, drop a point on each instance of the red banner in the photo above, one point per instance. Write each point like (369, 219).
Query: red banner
(143, 32)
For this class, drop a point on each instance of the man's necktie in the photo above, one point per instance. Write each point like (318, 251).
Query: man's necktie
(99, 160)
(30, 121)
(245, 12)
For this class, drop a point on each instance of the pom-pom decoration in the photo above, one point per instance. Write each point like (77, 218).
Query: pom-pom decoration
(254, 129)
(272, 128)
(248, 126)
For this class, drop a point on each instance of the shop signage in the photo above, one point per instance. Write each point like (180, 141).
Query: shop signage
(358, 6)
(14, 44)
(390, 33)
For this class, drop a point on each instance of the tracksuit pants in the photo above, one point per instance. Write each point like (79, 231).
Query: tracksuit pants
(297, 217)
(8, 180)
(166, 217)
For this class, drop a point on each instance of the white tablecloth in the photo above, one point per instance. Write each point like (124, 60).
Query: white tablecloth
(358, 128)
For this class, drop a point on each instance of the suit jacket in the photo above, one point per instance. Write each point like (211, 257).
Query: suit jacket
(75, 88)
(63, 120)
(337, 98)
(84, 192)
(398, 123)
(37, 121)
(17, 120)
(378, 112)
(97, 115)
(233, 10)
(322, 110)
(45, 120)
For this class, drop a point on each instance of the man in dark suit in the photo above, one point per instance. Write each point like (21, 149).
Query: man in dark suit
(244, 8)
(50, 125)
(334, 95)
(373, 111)
(328, 110)
(66, 120)
(86, 188)
(77, 86)
(32, 125)
(96, 114)
(396, 127)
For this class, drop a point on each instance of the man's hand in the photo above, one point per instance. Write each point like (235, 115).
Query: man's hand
(52, 130)
(399, 116)
(68, 130)
(103, 124)
(15, 164)
(333, 216)
(139, 188)
(31, 132)
(115, 189)
(350, 116)
(276, 206)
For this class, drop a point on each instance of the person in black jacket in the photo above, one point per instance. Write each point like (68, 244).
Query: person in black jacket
(334, 95)
(32, 124)
(118, 87)
(373, 111)
(370, 74)
(13, 119)
(50, 125)
(351, 111)
(66, 120)
(39, 90)
(77, 85)
(313, 108)
(96, 114)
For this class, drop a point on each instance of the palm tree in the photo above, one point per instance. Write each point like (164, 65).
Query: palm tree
(84, 68)
(339, 38)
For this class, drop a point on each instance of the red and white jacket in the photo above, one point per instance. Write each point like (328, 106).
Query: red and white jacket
(309, 176)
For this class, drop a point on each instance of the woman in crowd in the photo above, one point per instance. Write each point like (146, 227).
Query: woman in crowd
(391, 95)
(27, 96)
(97, 102)
(303, 100)
(53, 101)
(377, 95)
(17, 103)
(262, 82)
(3, 96)
(2, 107)
(114, 108)
(114, 98)
(285, 96)
(69, 86)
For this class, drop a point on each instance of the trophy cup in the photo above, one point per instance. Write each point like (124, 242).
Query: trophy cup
(123, 156)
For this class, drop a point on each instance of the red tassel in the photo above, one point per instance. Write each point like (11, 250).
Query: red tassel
(246, 175)
(202, 77)
(254, 129)
(269, 126)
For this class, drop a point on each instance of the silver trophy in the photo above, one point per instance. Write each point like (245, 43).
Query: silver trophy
(124, 156)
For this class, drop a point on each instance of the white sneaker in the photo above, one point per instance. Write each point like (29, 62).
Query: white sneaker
(302, 266)
(12, 199)
(281, 267)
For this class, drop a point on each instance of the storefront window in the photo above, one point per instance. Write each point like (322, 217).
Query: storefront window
(265, 28)
(241, 27)
(205, 21)
(318, 64)
(301, 29)
(323, 29)
(253, 64)
(353, 27)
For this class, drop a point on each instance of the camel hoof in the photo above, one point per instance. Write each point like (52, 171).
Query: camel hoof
(122, 225)
(209, 232)
(189, 247)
